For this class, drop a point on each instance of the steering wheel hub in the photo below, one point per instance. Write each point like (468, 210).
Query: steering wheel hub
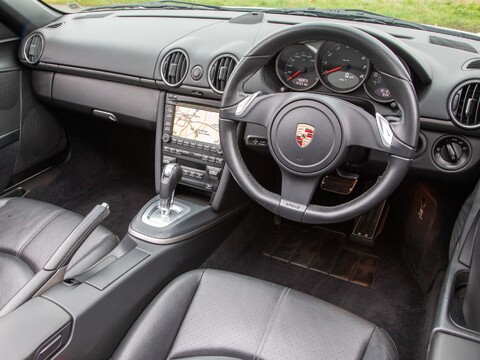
(305, 137)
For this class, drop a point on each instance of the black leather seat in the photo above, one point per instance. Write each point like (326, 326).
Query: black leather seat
(214, 314)
(30, 232)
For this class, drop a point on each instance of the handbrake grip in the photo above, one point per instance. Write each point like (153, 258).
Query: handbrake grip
(65, 252)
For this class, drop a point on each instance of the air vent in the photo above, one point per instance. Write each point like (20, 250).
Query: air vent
(473, 64)
(220, 71)
(54, 25)
(464, 105)
(174, 67)
(33, 49)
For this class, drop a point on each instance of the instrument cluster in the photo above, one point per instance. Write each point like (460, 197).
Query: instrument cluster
(338, 67)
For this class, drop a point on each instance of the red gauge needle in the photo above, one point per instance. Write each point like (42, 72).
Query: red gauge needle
(332, 70)
(295, 75)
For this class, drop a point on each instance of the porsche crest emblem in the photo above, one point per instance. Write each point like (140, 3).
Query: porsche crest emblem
(304, 135)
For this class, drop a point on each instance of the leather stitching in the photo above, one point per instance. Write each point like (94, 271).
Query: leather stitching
(268, 329)
(48, 221)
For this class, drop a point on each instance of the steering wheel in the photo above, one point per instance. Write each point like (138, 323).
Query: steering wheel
(330, 126)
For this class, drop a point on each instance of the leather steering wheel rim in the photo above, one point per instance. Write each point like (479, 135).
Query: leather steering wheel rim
(339, 125)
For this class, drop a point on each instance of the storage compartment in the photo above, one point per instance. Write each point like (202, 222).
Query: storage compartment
(126, 103)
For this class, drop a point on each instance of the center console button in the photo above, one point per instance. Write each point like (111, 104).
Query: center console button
(211, 159)
(186, 143)
(166, 138)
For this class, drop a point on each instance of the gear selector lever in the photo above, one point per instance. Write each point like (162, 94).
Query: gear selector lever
(171, 176)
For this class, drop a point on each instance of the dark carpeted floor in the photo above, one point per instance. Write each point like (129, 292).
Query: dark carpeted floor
(108, 163)
(394, 301)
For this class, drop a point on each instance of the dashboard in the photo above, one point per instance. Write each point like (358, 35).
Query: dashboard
(124, 63)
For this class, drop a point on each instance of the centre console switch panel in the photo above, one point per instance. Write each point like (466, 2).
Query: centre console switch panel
(191, 138)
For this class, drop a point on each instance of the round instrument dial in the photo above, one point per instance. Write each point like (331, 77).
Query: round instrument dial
(341, 68)
(377, 89)
(296, 67)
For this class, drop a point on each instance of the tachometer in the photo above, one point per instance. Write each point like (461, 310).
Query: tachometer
(341, 68)
(296, 67)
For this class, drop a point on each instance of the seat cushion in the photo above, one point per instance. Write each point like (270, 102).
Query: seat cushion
(30, 232)
(211, 313)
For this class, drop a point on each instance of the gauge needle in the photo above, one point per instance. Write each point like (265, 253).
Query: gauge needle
(332, 70)
(295, 75)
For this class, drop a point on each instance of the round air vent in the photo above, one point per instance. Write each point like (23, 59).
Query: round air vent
(464, 105)
(33, 48)
(174, 67)
(219, 72)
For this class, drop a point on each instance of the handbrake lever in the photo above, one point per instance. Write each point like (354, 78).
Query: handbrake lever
(65, 252)
(54, 270)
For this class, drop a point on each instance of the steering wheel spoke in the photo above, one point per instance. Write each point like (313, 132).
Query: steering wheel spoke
(375, 133)
(254, 109)
(296, 194)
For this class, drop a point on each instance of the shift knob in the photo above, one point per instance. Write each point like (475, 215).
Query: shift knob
(171, 176)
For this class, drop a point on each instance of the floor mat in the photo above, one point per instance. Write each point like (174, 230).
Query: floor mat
(322, 250)
(106, 165)
(394, 301)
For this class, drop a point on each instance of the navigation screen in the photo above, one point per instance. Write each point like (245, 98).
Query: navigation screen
(198, 124)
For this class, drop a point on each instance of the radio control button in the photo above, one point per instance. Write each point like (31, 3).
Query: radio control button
(199, 146)
(213, 171)
(211, 159)
(169, 159)
(204, 157)
(166, 138)
(192, 145)
(219, 161)
(186, 143)
(206, 147)
(199, 175)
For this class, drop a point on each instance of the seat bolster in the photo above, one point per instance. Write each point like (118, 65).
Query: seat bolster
(155, 330)
(14, 274)
(380, 347)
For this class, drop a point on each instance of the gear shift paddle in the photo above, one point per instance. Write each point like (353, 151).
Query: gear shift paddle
(171, 176)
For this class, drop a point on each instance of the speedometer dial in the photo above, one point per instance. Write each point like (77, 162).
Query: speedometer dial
(296, 67)
(342, 68)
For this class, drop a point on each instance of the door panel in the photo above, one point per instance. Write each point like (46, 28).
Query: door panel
(10, 104)
(32, 138)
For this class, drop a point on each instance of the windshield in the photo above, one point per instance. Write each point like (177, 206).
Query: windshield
(460, 15)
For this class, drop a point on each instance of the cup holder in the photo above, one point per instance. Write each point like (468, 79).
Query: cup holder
(458, 296)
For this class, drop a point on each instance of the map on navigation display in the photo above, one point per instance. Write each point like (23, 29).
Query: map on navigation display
(196, 124)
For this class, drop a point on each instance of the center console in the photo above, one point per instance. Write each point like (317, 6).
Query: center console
(191, 138)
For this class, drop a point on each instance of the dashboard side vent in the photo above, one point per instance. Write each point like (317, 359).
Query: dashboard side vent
(54, 25)
(174, 67)
(33, 49)
(473, 64)
(464, 105)
(219, 72)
